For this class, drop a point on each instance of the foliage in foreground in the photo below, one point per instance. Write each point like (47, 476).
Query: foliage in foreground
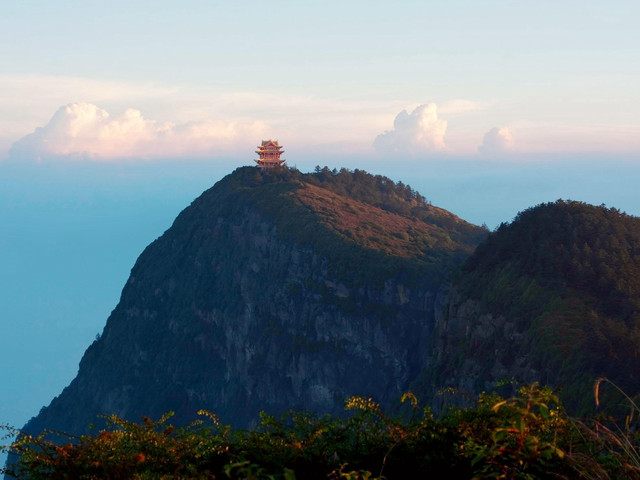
(528, 436)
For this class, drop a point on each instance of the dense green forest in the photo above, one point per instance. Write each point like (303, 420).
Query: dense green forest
(571, 245)
(567, 274)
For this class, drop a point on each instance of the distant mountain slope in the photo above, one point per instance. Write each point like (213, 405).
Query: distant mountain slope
(553, 297)
(273, 290)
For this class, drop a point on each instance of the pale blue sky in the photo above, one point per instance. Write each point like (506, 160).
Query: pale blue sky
(550, 89)
(561, 75)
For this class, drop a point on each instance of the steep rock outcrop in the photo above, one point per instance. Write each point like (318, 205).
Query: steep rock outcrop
(254, 300)
(471, 351)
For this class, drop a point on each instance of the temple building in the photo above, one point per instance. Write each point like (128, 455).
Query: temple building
(269, 152)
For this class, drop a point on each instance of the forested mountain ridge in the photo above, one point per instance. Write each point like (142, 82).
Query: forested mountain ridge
(261, 296)
(553, 296)
(355, 214)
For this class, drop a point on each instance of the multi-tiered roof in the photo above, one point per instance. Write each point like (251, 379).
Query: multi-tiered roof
(269, 152)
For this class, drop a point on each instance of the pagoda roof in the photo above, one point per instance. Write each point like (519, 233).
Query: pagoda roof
(267, 142)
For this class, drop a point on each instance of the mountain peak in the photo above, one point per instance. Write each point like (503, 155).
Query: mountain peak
(273, 290)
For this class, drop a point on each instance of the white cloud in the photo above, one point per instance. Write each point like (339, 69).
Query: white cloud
(414, 134)
(307, 121)
(497, 140)
(84, 131)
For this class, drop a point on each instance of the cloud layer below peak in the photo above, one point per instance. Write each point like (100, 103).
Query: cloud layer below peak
(85, 132)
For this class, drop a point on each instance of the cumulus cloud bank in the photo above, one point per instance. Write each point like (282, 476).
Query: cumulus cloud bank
(414, 134)
(497, 140)
(84, 131)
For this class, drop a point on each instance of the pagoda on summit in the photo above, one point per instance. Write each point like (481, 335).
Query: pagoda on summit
(269, 152)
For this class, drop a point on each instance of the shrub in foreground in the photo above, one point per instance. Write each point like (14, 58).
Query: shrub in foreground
(528, 436)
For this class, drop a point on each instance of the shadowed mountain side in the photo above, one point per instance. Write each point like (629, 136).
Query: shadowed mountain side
(552, 297)
(273, 290)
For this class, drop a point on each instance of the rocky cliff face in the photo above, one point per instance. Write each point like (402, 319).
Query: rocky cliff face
(254, 300)
(471, 350)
